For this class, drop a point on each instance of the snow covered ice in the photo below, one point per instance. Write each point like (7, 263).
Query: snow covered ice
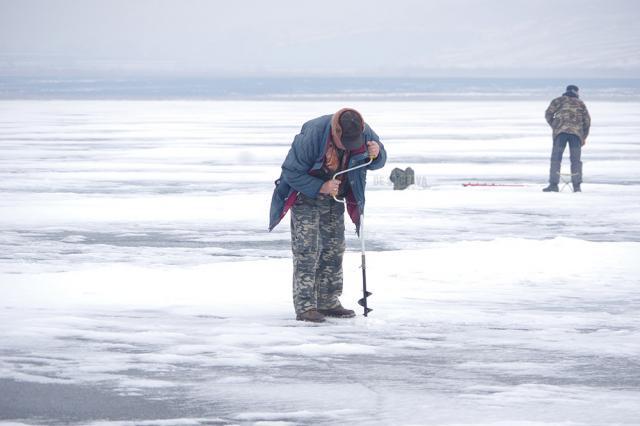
(139, 286)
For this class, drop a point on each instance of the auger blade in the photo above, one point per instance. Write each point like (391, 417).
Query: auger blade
(363, 302)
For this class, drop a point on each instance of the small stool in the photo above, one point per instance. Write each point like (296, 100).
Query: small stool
(567, 179)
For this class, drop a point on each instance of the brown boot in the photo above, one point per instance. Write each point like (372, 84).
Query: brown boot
(338, 312)
(311, 315)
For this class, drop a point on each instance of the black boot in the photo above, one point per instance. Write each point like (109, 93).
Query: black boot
(553, 187)
(338, 312)
(576, 188)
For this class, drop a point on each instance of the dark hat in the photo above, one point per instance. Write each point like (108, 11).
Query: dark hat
(352, 126)
(572, 88)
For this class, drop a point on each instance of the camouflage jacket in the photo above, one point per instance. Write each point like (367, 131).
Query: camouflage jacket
(568, 114)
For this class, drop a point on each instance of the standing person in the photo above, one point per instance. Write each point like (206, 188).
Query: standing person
(324, 146)
(570, 121)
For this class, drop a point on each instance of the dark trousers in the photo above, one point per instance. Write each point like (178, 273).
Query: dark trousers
(575, 149)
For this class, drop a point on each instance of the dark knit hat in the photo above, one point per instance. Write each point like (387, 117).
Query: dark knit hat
(352, 126)
(572, 88)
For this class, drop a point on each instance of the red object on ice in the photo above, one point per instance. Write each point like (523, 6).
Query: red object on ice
(491, 184)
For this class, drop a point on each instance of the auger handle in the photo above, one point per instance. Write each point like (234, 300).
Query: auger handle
(342, 200)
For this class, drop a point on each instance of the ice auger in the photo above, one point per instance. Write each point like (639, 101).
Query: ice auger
(362, 302)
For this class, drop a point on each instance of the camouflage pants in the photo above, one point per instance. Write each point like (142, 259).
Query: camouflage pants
(317, 242)
(575, 150)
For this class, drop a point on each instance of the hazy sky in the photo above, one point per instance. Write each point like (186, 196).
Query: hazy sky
(596, 38)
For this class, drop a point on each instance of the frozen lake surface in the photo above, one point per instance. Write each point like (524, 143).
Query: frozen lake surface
(138, 283)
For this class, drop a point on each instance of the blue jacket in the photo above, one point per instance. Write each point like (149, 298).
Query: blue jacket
(307, 156)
